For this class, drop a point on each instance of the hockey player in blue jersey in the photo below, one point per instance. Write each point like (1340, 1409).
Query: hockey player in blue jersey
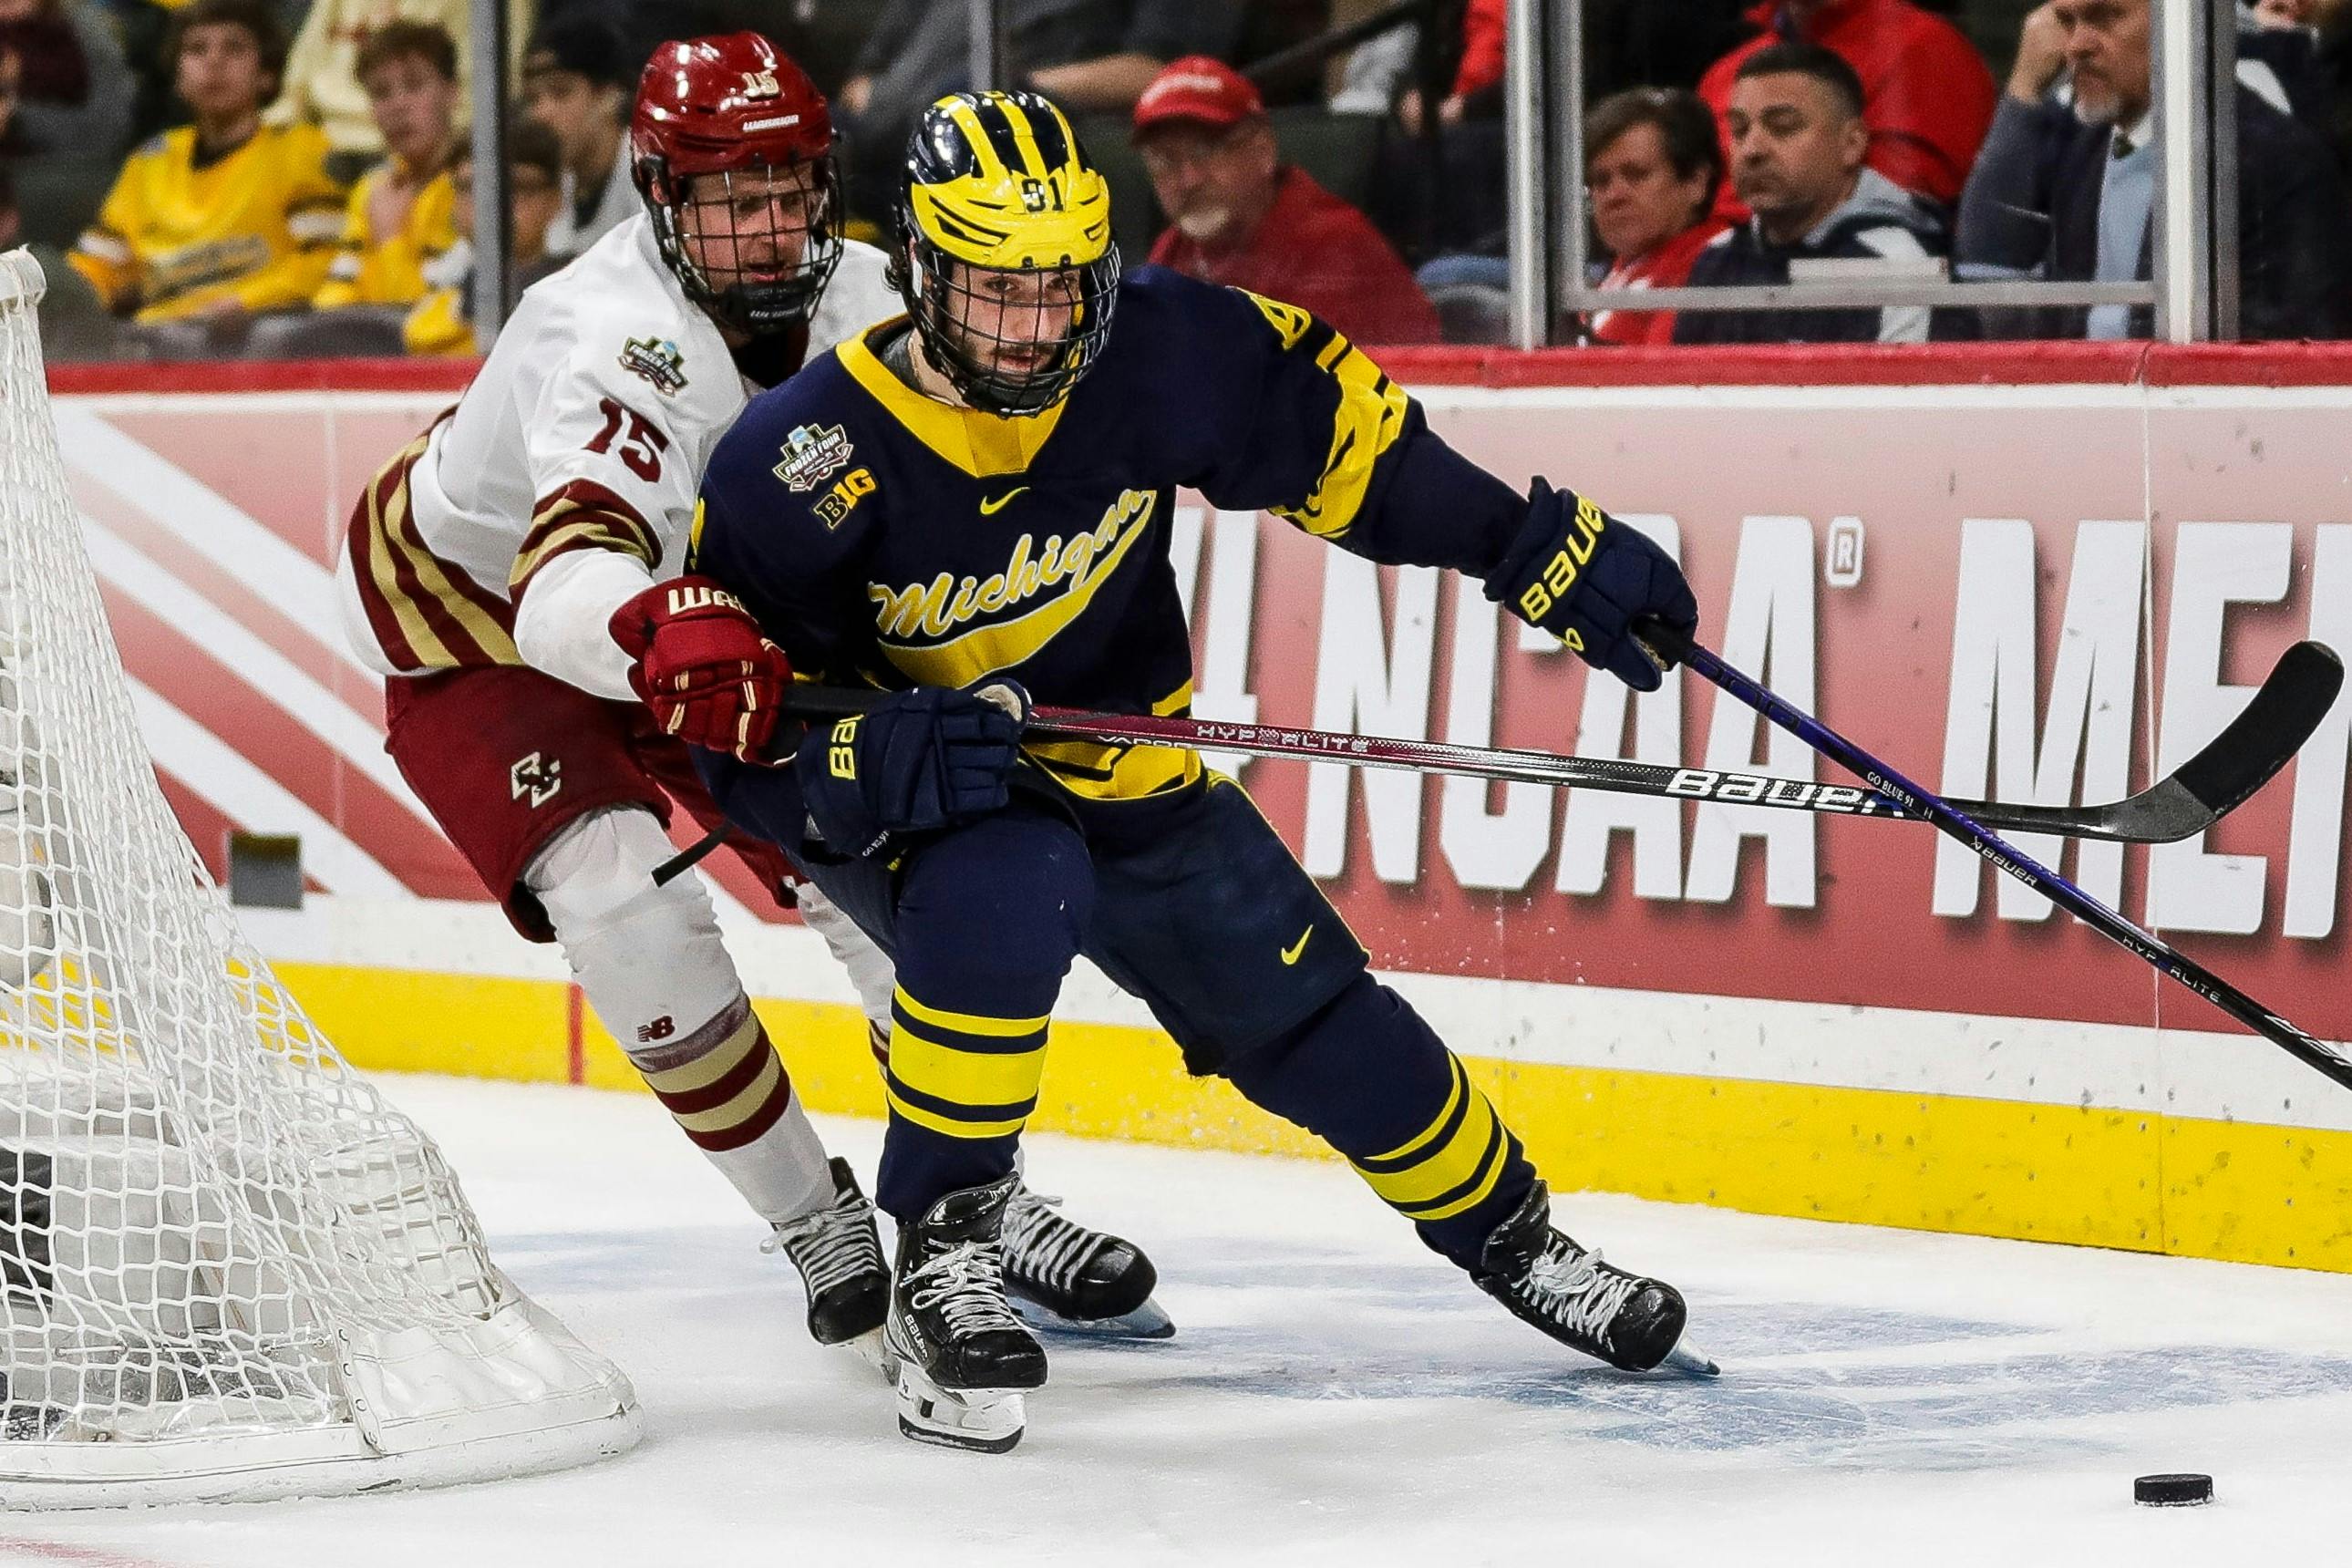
(977, 496)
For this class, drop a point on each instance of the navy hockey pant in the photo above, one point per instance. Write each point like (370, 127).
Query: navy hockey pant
(1193, 903)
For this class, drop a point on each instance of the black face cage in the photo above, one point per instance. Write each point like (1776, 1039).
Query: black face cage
(750, 307)
(941, 302)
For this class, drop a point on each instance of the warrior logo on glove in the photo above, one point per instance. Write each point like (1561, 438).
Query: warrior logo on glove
(704, 667)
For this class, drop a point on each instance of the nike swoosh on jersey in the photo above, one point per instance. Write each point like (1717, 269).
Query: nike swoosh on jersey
(1290, 954)
(991, 508)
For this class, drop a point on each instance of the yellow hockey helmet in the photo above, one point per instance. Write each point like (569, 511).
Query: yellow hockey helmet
(996, 182)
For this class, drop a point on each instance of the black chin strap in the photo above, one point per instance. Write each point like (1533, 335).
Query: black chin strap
(767, 358)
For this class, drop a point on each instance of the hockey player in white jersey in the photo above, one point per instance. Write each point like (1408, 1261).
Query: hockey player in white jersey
(514, 572)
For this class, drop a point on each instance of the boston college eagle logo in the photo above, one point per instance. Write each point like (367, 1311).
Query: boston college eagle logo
(536, 779)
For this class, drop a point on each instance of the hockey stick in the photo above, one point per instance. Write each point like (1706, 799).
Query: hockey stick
(2218, 779)
(1950, 818)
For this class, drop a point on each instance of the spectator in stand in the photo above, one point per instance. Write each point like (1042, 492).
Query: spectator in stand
(322, 83)
(1799, 149)
(2067, 191)
(1239, 216)
(1088, 56)
(579, 81)
(214, 223)
(1926, 97)
(402, 212)
(68, 89)
(2280, 59)
(1478, 77)
(442, 322)
(1652, 168)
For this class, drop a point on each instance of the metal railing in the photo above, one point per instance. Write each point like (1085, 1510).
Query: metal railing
(2194, 237)
(2193, 291)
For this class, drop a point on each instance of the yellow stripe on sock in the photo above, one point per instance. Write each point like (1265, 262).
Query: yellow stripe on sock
(965, 1078)
(1445, 1113)
(949, 1126)
(1476, 1194)
(966, 1023)
(1444, 1168)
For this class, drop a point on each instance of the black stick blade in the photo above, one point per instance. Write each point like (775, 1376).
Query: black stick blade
(2249, 752)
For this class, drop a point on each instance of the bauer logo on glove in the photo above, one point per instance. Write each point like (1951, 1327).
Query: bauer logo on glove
(914, 763)
(1586, 578)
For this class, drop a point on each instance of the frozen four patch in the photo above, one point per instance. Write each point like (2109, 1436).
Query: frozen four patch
(658, 360)
(812, 455)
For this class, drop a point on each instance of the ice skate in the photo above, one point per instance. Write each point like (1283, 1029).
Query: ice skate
(1545, 1279)
(1068, 1278)
(839, 1255)
(962, 1358)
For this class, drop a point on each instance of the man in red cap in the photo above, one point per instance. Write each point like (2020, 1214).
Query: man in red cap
(1239, 216)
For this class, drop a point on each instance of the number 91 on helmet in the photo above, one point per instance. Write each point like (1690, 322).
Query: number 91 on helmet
(732, 147)
(1003, 250)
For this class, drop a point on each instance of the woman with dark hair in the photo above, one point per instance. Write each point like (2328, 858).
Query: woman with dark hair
(1651, 166)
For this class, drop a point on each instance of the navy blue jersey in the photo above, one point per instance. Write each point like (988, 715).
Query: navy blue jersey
(884, 538)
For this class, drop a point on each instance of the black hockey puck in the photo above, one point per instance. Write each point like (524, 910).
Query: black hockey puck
(2173, 1491)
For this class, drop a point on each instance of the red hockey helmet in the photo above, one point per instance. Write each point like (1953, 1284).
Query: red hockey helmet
(756, 247)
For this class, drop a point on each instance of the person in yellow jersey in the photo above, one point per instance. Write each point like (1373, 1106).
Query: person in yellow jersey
(322, 83)
(442, 320)
(403, 212)
(401, 220)
(212, 224)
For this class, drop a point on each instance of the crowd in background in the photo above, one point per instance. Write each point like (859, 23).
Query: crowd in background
(273, 178)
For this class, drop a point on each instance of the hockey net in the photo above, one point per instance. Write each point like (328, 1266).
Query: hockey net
(228, 1268)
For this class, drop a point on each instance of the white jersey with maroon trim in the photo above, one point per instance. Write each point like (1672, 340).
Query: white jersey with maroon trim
(563, 483)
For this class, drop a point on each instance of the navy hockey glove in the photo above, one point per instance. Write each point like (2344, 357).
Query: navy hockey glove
(1586, 578)
(915, 762)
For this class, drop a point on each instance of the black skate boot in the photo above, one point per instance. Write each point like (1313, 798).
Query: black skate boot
(963, 1356)
(1548, 1280)
(839, 1255)
(1063, 1276)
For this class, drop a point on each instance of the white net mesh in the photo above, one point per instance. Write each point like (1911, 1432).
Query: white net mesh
(222, 1253)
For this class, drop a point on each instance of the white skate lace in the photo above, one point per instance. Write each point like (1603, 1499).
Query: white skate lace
(831, 1246)
(1040, 1245)
(1574, 1289)
(967, 1283)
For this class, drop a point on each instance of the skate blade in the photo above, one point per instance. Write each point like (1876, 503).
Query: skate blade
(978, 1420)
(1146, 1322)
(1687, 1363)
(871, 1348)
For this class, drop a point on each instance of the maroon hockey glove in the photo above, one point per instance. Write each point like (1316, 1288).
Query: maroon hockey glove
(704, 667)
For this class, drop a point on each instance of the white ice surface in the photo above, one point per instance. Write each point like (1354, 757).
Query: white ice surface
(1336, 1394)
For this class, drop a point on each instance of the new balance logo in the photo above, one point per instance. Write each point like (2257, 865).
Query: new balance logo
(661, 1028)
(536, 780)
(694, 596)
